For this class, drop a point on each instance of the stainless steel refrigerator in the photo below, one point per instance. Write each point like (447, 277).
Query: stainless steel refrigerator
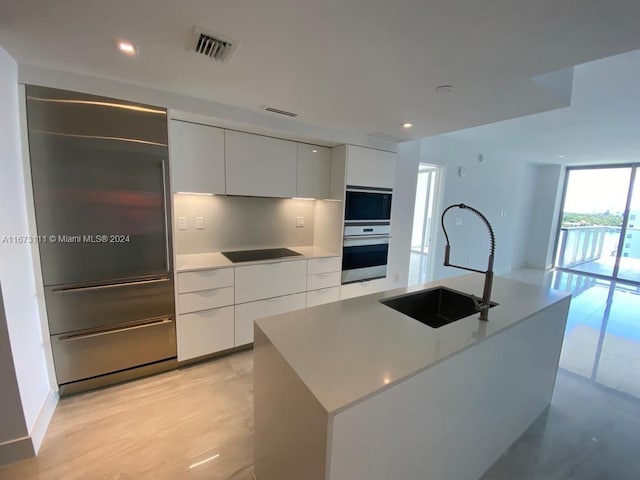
(99, 168)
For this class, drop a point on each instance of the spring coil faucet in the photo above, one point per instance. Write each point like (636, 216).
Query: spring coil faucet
(484, 306)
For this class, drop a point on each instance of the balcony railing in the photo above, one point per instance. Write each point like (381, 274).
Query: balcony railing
(580, 245)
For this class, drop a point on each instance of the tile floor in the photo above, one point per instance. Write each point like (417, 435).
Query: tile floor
(591, 431)
(197, 422)
(191, 423)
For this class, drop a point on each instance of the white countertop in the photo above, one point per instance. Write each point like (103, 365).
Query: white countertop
(204, 261)
(348, 350)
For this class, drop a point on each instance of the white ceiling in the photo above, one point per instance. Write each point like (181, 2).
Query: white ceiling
(602, 125)
(358, 65)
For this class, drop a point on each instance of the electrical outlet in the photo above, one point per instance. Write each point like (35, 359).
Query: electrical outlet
(182, 223)
(458, 221)
(503, 213)
(199, 223)
(299, 222)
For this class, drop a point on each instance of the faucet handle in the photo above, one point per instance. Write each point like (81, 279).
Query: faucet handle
(477, 302)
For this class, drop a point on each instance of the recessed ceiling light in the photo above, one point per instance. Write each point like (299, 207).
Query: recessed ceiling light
(314, 151)
(407, 125)
(444, 88)
(127, 48)
(560, 156)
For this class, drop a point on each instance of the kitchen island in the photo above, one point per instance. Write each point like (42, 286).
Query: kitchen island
(356, 390)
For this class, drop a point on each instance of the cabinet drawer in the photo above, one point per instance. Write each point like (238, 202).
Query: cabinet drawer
(205, 299)
(323, 280)
(205, 332)
(205, 280)
(246, 313)
(362, 288)
(267, 280)
(325, 295)
(85, 355)
(324, 265)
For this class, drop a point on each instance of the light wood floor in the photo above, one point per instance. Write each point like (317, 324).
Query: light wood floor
(159, 428)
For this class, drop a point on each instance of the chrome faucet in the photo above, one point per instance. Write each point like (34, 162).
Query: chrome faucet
(482, 307)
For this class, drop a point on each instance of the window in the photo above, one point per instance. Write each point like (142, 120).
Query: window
(629, 235)
(625, 254)
(627, 245)
(632, 217)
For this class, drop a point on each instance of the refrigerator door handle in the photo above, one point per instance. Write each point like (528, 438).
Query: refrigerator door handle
(81, 336)
(111, 285)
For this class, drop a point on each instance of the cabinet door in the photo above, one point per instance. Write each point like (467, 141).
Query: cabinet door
(205, 332)
(314, 171)
(248, 312)
(370, 168)
(266, 280)
(197, 157)
(260, 166)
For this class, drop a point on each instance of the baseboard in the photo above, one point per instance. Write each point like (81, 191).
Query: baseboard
(42, 423)
(27, 447)
(15, 450)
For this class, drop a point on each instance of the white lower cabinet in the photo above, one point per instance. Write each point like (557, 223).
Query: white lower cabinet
(246, 313)
(217, 307)
(324, 295)
(204, 332)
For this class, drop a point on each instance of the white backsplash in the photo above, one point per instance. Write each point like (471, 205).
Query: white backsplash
(241, 223)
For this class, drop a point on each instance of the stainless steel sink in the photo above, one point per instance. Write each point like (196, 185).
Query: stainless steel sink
(435, 307)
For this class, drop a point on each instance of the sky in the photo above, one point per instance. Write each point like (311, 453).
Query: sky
(599, 190)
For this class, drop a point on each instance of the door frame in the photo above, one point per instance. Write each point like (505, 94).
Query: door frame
(438, 171)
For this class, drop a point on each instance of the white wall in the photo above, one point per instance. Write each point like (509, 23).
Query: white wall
(542, 195)
(492, 186)
(402, 207)
(16, 262)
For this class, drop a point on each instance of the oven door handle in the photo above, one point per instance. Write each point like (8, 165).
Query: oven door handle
(366, 237)
(364, 241)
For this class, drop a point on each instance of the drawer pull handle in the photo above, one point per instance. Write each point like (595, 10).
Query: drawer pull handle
(81, 336)
(113, 285)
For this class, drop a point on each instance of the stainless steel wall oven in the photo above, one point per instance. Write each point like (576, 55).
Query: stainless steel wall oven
(364, 252)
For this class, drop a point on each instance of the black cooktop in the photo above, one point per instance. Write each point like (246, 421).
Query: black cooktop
(255, 255)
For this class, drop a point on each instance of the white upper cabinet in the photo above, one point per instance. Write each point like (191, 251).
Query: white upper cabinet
(370, 168)
(314, 171)
(260, 166)
(197, 157)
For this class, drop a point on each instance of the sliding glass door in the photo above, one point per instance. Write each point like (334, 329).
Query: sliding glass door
(629, 268)
(600, 228)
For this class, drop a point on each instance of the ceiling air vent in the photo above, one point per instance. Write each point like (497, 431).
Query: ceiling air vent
(214, 46)
(280, 112)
